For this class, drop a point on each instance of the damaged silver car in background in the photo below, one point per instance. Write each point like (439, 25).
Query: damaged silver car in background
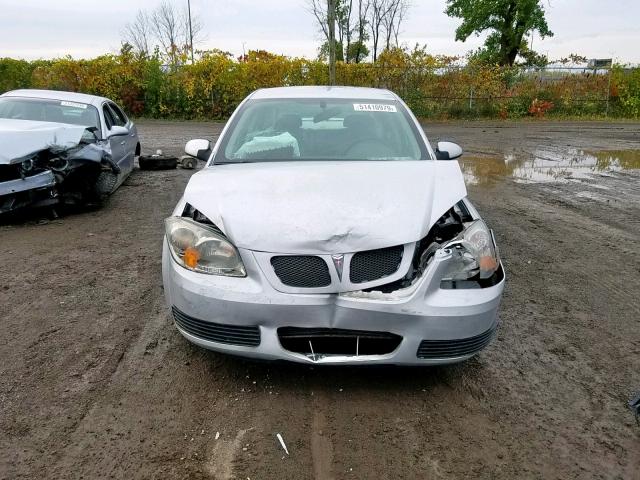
(326, 230)
(62, 148)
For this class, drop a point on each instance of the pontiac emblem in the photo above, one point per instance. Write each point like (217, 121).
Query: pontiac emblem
(338, 262)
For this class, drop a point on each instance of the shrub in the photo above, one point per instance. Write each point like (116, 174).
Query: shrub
(432, 86)
(539, 108)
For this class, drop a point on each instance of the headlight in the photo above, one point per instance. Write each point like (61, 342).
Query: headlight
(201, 249)
(474, 253)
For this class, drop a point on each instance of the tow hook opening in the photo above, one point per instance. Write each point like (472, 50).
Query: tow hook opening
(317, 343)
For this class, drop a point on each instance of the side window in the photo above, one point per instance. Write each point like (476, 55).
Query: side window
(118, 115)
(108, 117)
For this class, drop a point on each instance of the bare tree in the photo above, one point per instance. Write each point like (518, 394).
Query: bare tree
(319, 10)
(344, 27)
(402, 13)
(378, 12)
(385, 18)
(391, 22)
(166, 26)
(138, 33)
(357, 21)
(361, 28)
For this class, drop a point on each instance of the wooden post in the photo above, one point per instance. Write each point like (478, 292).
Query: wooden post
(606, 113)
(190, 30)
(331, 18)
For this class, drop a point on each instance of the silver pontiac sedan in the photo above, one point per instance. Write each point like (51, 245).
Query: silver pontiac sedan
(325, 229)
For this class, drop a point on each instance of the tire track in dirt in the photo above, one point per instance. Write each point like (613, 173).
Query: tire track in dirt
(321, 445)
(220, 463)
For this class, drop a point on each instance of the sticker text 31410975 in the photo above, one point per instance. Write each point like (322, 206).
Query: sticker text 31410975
(374, 107)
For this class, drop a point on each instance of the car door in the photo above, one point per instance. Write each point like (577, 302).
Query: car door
(116, 143)
(122, 151)
(132, 138)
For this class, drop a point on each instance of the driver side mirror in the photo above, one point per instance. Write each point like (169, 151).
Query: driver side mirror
(198, 148)
(118, 131)
(448, 151)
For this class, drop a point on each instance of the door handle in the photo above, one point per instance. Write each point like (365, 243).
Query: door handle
(122, 142)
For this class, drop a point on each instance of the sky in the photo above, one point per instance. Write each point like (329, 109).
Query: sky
(32, 29)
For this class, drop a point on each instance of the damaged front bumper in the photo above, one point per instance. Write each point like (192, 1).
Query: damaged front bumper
(38, 189)
(422, 324)
(44, 163)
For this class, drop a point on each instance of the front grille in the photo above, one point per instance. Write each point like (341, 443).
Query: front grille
(303, 271)
(248, 336)
(336, 341)
(375, 264)
(455, 348)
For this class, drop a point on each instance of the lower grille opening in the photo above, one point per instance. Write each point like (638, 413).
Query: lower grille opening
(247, 336)
(434, 349)
(318, 342)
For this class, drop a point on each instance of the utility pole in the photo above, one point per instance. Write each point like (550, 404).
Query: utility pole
(331, 17)
(190, 30)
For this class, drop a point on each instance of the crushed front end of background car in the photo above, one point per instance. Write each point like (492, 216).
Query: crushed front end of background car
(45, 164)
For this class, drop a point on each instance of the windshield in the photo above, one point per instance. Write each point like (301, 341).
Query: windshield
(45, 110)
(321, 129)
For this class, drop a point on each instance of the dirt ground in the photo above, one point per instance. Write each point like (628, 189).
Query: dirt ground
(95, 382)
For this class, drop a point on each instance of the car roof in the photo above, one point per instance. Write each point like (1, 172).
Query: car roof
(56, 95)
(325, 92)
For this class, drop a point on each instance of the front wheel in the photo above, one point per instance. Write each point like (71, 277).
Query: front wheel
(105, 185)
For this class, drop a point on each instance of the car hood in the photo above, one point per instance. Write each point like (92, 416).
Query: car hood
(325, 207)
(19, 139)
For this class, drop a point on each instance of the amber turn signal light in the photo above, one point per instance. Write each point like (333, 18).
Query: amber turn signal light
(191, 257)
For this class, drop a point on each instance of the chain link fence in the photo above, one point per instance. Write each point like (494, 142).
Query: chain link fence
(465, 91)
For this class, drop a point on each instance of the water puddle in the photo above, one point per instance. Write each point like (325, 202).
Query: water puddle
(548, 165)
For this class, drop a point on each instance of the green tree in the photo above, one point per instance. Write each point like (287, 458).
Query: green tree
(323, 51)
(357, 52)
(509, 21)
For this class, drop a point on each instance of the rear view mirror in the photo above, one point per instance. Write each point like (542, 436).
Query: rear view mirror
(198, 148)
(448, 151)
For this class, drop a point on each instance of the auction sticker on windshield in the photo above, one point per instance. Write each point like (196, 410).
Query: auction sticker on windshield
(73, 104)
(374, 107)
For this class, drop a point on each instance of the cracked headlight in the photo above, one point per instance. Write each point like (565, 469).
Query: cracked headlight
(202, 249)
(474, 253)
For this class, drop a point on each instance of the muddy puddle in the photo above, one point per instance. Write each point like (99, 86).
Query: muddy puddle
(547, 165)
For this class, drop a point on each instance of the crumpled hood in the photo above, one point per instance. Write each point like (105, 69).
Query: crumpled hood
(325, 207)
(20, 139)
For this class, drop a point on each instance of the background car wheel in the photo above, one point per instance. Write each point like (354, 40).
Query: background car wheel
(157, 162)
(188, 162)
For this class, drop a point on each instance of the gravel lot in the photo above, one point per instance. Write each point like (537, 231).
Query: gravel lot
(97, 383)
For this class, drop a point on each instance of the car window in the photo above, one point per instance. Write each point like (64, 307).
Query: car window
(118, 115)
(321, 129)
(108, 117)
(46, 110)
